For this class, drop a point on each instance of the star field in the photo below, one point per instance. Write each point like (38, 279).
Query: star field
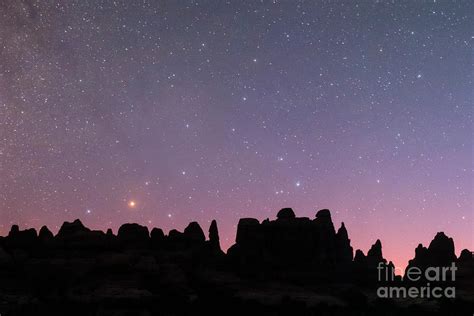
(164, 113)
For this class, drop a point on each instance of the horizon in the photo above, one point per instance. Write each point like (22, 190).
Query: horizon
(226, 243)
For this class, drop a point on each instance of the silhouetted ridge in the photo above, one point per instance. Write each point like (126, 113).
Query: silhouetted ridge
(70, 229)
(214, 237)
(21, 238)
(157, 237)
(287, 262)
(324, 221)
(133, 235)
(441, 250)
(344, 251)
(360, 258)
(14, 230)
(465, 255)
(375, 252)
(45, 234)
(194, 234)
(286, 213)
(291, 247)
(440, 253)
(246, 230)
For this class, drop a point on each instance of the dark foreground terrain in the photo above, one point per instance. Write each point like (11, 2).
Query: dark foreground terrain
(287, 266)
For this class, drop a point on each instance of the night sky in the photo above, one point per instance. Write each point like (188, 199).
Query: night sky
(166, 112)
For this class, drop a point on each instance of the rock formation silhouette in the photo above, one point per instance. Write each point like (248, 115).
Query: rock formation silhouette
(440, 253)
(214, 242)
(298, 265)
(344, 251)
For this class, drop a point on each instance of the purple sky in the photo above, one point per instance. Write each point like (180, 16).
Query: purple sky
(201, 110)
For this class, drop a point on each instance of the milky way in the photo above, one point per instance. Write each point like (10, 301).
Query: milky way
(166, 112)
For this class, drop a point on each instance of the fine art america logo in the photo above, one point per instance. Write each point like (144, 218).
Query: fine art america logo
(433, 276)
